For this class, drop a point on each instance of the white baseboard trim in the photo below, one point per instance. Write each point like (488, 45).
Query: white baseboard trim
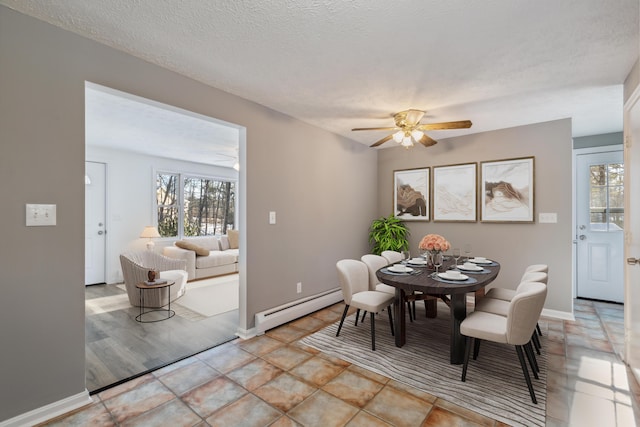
(50, 411)
(245, 334)
(555, 314)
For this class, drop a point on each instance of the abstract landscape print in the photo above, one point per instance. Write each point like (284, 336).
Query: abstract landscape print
(507, 190)
(455, 193)
(411, 194)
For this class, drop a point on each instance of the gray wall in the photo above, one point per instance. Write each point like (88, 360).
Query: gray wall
(615, 138)
(322, 187)
(514, 245)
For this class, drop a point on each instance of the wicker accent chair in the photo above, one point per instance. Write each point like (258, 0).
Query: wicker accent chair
(136, 265)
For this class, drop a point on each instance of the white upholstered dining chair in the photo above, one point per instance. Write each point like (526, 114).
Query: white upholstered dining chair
(353, 276)
(392, 256)
(375, 263)
(531, 274)
(516, 328)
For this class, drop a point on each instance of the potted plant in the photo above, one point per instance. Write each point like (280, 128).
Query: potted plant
(388, 234)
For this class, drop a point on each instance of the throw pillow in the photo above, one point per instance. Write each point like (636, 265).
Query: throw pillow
(199, 250)
(234, 236)
(224, 242)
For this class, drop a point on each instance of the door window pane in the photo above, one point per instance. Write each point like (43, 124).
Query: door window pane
(606, 203)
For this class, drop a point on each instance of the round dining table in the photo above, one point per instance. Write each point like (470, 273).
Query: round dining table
(452, 292)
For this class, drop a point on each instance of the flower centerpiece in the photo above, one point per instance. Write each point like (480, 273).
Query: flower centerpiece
(433, 244)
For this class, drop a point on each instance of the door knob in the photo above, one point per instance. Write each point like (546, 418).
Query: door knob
(632, 261)
(582, 237)
(100, 233)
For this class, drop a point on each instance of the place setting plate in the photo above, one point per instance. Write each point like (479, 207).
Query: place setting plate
(444, 277)
(398, 269)
(482, 261)
(477, 269)
(417, 262)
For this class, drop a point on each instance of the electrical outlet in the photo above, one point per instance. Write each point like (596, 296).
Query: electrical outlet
(272, 217)
(299, 287)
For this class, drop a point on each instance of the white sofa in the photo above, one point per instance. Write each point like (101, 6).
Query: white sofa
(219, 259)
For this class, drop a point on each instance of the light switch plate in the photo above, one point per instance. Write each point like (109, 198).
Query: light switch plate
(272, 217)
(549, 218)
(40, 215)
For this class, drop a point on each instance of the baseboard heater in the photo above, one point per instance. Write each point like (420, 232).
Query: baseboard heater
(277, 316)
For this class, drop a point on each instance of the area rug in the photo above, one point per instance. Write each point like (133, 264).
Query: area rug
(495, 385)
(209, 297)
(203, 298)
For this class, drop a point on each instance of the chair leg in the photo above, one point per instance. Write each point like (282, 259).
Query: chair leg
(525, 371)
(413, 304)
(373, 331)
(390, 320)
(364, 316)
(538, 329)
(476, 348)
(467, 352)
(532, 359)
(357, 315)
(410, 311)
(344, 314)
(536, 342)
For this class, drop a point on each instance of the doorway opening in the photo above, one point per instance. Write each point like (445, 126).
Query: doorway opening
(134, 139)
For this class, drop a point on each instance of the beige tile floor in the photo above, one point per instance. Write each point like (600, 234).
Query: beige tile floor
(273, 380)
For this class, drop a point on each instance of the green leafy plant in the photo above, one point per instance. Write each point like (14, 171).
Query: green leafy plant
(388, 234)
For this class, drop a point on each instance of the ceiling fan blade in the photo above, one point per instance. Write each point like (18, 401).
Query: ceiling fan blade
(392, 128)
(382, 141)
(462, 124)
(427, 141)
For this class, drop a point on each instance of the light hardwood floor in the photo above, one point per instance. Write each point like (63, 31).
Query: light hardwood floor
(119, 348)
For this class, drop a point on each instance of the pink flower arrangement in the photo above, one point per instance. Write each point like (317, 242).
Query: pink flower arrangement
(434, 243)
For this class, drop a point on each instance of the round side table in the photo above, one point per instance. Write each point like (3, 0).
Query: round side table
(145, 286)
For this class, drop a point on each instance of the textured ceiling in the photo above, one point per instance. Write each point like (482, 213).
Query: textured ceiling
(121, 121)
(342, 64)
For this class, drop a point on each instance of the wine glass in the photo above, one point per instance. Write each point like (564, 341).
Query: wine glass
(438, 259)
(467, 251)
(406, 255)
(456, 255)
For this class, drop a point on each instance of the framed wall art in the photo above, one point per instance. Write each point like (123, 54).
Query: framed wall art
(455, 193)
(411, 194)
(507, 190)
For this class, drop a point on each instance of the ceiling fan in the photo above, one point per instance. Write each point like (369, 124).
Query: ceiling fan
(409, 129)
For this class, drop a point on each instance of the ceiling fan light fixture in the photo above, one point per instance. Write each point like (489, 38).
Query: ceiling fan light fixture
(407, 141)
(417, 134)
(398, 136)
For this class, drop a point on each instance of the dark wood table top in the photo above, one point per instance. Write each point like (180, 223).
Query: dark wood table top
(426, 284)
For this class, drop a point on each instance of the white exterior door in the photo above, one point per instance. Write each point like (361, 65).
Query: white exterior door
(94, 223)
(632, 233)
(600, 221)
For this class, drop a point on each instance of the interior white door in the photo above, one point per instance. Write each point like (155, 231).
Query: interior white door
(632, 234)
(94, 223)
(600, 222)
